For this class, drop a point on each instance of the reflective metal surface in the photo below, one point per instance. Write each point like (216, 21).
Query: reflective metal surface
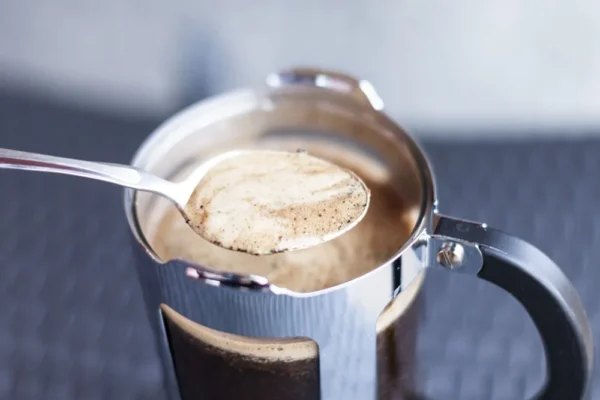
(310, 77)
(256, 308)
(123, 175)
(339, 109)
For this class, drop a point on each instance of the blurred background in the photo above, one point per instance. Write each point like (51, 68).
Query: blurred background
(521, 65)
(504, 95)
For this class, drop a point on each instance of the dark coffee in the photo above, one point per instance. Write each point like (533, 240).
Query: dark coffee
(215, 365)
(207, 368)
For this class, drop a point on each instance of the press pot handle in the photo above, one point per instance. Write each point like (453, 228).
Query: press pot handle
(359, 89)
(538, 284)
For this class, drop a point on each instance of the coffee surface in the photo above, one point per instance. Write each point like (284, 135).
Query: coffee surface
(264, 202)
(373, 241)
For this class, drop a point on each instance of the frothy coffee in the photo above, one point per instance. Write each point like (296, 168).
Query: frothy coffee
(373, 241)
(265, 202)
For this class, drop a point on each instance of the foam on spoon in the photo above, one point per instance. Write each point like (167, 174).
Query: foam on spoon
(267, 201)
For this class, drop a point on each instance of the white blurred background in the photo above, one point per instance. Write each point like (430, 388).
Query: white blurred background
(465, 67)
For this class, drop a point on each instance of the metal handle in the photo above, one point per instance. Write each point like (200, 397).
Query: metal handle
(360, 89)
(538, 284)
(122, 175)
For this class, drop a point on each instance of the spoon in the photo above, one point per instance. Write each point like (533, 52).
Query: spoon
(254, 201)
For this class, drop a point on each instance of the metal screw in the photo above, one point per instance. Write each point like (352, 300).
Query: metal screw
(451, 255)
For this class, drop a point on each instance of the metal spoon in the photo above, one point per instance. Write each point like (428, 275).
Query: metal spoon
(254, 201)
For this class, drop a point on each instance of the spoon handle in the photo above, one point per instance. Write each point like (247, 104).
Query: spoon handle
(122, 175)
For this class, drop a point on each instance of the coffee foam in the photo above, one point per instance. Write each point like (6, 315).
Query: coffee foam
(263, 202)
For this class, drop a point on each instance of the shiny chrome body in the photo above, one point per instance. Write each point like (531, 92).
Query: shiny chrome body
(303, 99)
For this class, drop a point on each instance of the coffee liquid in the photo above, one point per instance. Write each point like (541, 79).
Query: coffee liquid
(215, 365)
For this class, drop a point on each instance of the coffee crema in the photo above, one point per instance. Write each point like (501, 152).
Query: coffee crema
(266, 201)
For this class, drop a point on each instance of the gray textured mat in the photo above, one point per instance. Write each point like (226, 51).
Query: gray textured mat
(72, 323)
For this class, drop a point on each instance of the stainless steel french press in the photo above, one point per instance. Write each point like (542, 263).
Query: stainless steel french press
(310, 103)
